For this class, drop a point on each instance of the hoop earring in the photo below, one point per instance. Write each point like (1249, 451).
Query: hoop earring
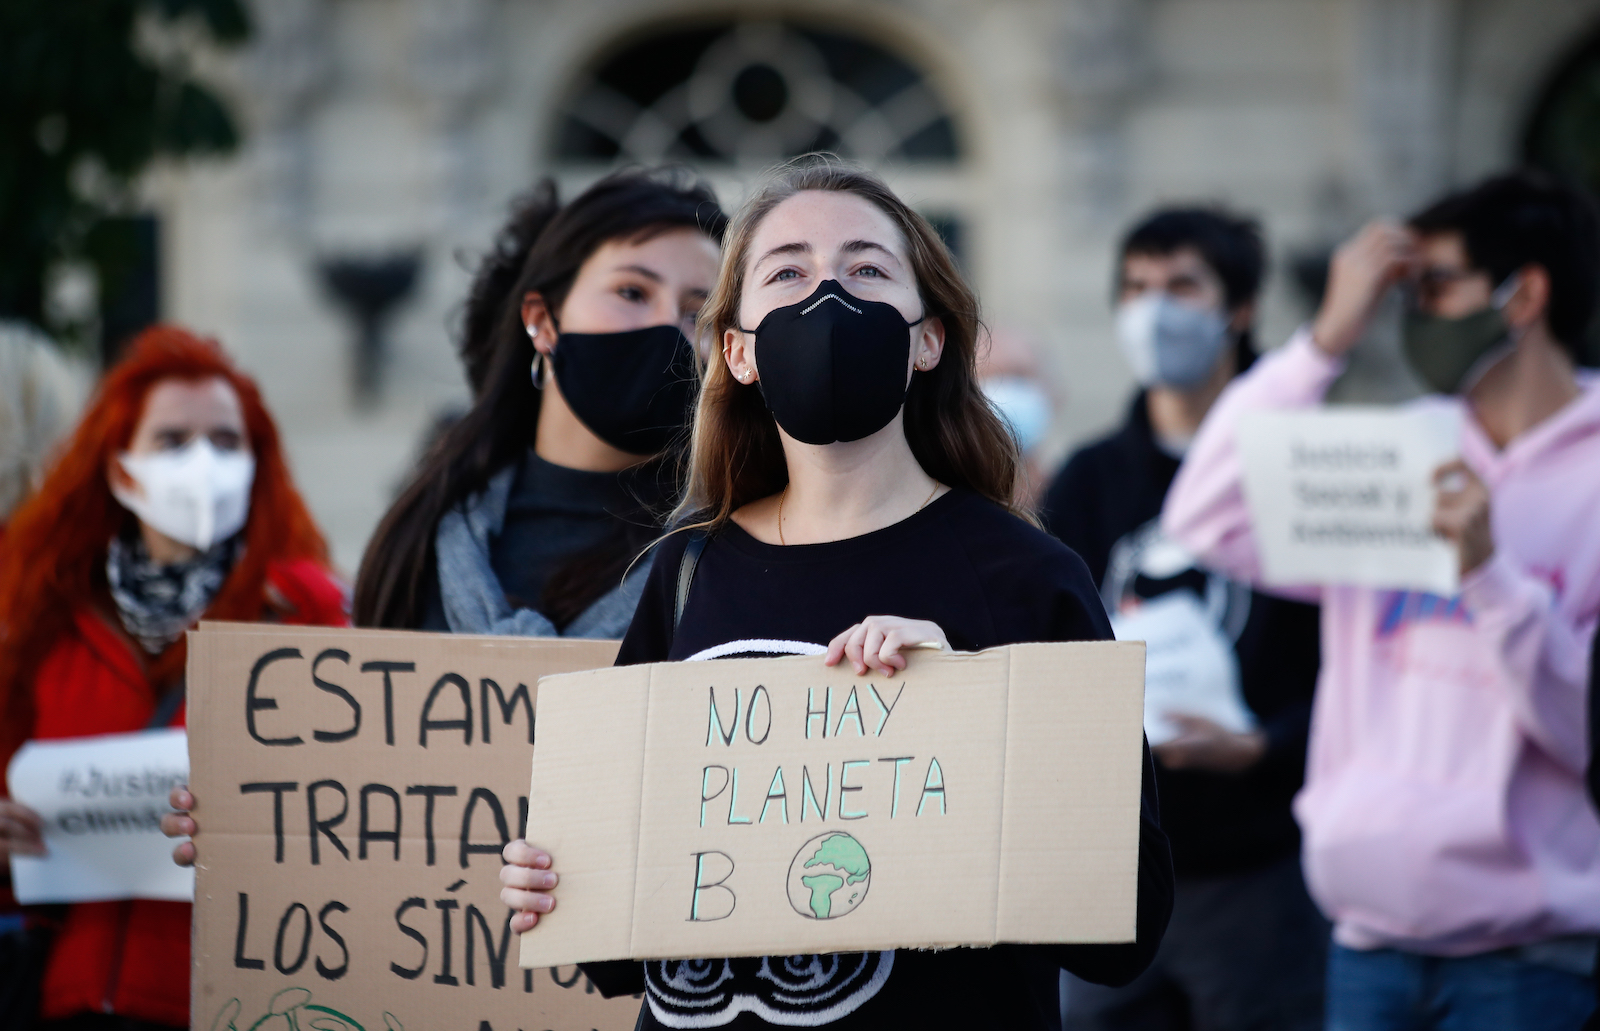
(537, 372)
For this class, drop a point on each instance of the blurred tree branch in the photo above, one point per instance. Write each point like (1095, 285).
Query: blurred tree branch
(85, 105)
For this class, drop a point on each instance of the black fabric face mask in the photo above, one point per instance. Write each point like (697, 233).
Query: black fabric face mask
(833, 367)
(633, 390)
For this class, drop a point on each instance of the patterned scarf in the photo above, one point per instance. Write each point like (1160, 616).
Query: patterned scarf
(158, 603)
(474, 601)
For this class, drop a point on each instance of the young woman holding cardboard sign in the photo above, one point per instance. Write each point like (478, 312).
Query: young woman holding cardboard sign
(845, 464)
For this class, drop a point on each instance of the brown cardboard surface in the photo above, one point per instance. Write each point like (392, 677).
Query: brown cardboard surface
(693, 809)
(402, 931)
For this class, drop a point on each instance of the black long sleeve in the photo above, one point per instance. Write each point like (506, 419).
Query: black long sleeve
(987, 579)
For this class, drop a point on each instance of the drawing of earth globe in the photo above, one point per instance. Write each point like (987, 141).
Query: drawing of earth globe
(829, 876)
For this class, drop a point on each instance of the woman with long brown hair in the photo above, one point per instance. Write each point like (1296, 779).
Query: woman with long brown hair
(526, 515)
(846, 465)
(172, 501)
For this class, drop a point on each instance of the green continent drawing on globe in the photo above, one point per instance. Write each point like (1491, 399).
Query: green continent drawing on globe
(829, 876)
(822, 886)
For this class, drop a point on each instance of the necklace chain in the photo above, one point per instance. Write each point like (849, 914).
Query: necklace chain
(785, 494)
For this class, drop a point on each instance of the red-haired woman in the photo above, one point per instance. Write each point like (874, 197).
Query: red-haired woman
(171, 502)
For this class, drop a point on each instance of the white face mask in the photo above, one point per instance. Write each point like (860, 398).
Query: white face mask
(1023, 405)
(196, 494)
(1169, 343)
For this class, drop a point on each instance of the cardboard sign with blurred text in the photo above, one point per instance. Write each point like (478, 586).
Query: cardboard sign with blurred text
(1345, 495)
(354, 789)
(778, 806)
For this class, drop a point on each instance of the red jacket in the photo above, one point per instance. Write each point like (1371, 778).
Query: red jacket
(132, 958)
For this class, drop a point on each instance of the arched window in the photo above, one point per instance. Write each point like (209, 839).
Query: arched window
(1564, 133)
(1563, 136)
(750, 92)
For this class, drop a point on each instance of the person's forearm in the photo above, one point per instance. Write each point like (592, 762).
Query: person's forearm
(1543, 655)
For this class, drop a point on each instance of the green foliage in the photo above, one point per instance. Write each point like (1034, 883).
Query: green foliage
(80, 101)
(844, 852)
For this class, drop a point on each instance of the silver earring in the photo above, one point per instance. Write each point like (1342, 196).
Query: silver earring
(533, 331)
(538, 367)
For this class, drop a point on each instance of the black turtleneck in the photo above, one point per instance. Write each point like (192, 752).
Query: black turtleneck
(555, 513)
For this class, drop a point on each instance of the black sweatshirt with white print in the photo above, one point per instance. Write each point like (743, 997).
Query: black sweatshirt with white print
(987, 579)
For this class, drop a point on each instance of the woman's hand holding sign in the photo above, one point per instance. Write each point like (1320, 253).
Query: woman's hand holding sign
(527, 879)
(180, 825)
(876, 642)
(21, 831)
(1461, 514)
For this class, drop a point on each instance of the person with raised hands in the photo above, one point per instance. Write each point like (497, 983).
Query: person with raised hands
(1445, 830)
(851, 489)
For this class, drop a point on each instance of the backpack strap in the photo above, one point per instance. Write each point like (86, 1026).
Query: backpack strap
(167, 706)
(686, 567)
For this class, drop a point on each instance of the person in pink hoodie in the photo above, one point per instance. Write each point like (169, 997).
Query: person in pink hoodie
(1446, 830)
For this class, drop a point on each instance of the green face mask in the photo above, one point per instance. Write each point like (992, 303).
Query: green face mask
(1445, 353)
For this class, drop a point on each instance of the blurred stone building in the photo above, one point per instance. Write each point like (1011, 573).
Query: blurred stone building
(385, 138)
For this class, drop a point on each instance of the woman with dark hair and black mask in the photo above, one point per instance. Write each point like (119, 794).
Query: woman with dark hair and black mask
(526, 515)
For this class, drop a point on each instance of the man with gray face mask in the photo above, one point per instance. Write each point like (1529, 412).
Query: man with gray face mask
(1230, 672)
(1446, 831)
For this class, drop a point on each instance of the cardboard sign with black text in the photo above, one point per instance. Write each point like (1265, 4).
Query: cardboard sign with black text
(746, 807)
(353, 791)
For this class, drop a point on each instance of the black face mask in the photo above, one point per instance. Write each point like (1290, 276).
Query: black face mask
(633, 390)
(833, 367)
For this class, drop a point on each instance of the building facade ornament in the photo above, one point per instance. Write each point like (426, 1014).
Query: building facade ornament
(1104, 64)
(287, 70)
(1405, 82)
(454, 70)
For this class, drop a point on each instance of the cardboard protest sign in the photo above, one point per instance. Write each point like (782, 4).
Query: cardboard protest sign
(354, 789)
(777, 806)
(101, 799)
(1346, 495)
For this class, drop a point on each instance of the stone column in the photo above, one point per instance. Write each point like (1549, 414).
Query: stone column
(1103, 63)
(287, 69)
(1405, 84)
(453, 69)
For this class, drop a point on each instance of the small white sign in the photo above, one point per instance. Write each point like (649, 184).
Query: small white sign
(1345, 495)
(101, 799)
(1190, 669)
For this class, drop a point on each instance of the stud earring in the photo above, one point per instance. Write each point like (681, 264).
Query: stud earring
(533, 331)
